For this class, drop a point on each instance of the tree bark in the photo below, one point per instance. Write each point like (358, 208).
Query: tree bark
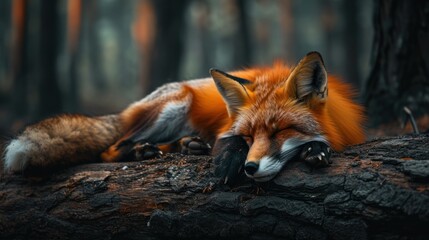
(377, 190)
(400, 68)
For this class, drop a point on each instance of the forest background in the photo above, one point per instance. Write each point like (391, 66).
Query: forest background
(97, 56)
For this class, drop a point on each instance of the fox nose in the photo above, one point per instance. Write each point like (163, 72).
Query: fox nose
(250, 168)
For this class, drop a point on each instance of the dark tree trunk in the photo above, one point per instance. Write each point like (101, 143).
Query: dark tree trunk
(168, 43)
(19, 58)
(50, 100)
(328, 20)
(400, 72)
(74, 37)
(378, 190)
(352, 42)
(243, 53)
(204, 38)
(6, 25)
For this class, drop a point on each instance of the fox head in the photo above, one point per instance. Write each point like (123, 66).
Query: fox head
(274, 112)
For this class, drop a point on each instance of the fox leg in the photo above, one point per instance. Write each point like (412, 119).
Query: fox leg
(187, 145)
(231, 153)
(160, 118)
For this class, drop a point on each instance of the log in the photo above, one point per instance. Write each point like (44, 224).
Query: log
(377, 190)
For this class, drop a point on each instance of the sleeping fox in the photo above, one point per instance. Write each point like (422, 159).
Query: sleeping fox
(258, 119)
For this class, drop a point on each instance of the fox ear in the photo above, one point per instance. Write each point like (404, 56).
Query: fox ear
(308, 81)
(232, 89)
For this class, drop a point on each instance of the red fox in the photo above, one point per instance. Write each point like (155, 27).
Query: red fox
(258, 119)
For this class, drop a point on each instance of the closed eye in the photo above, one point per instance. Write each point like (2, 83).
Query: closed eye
(248, 139)
(288, 129)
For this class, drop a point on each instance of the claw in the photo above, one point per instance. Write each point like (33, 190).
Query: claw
(309, 149)
(325, 161)
(322, 153)
(319, 157)
(328, 149)
(226, 180)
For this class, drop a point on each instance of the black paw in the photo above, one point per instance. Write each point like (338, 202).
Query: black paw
(145, 150)
(231, 153)
(194, 146)
(316, 154)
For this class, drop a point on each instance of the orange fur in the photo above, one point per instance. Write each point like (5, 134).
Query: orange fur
(340, 118)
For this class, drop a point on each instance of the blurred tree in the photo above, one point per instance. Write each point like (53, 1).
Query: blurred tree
(167, 46)
(287, 24)
(19, 59)
(400, 72)
(50, 100)
(121, 16)
(243, 53)
(5, 37)
(202, 38)
(143, 30)
(328, 20)
(352, 43)
(74, 13)
(90, 18)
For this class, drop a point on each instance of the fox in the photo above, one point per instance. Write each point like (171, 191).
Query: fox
(257, 120)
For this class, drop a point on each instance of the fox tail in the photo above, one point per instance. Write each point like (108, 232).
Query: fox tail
(61, 141)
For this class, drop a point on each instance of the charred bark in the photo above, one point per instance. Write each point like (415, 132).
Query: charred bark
(377, 190)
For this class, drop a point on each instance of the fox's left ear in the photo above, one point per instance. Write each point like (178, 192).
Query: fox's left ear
(232, 89)
(308, 81)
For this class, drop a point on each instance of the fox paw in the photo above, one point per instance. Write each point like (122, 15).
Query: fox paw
(146, 150)
(194, 146)
(230, 155)
(316, 154)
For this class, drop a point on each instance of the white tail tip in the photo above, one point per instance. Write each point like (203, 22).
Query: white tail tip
(16, 155)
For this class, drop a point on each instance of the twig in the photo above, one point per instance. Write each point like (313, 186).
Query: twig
(409, 116)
